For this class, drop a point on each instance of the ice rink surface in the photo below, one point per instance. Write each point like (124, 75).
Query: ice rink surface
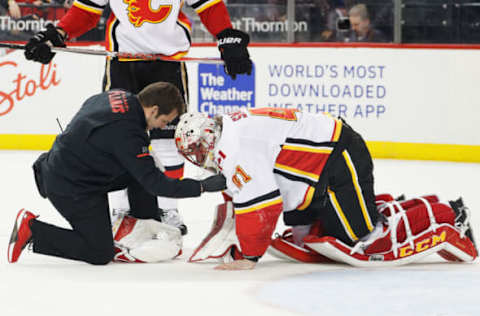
(39, 285)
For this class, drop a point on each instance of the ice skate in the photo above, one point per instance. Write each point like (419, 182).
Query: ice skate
(173, 218)
(21, 235)
(462, 219)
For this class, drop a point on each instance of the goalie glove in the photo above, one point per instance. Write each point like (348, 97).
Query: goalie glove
(221, 242)
(233, 50)
(38, 47)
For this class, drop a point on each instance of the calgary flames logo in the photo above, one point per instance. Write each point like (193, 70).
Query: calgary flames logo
(140, 11)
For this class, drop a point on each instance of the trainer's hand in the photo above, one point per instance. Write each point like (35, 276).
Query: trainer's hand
(38, 47)
(243, 264)
(233, 50)
(214, 183)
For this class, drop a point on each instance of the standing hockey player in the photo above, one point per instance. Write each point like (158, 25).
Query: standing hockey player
(276, 160)
(104, 148)
(138, 28)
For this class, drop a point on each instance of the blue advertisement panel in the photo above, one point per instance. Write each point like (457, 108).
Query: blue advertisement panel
(218, 93)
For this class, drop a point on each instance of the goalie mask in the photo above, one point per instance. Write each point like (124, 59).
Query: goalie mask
(196, 136)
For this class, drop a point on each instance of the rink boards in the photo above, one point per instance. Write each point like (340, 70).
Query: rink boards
(408, 102)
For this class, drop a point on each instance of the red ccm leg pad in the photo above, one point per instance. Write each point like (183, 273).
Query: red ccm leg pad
(413, 230)
(283, 247)
(445, 240)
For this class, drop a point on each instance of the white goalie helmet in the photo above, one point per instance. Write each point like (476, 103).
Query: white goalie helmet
(196, 136)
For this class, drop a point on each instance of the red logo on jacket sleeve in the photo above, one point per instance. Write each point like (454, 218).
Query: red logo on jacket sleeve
(118, 101)
(140, 11)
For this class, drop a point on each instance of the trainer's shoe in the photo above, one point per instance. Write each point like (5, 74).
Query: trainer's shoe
(173, 218)
(462, 219)
(21, 235)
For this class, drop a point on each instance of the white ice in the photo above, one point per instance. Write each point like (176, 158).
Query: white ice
(40, 285)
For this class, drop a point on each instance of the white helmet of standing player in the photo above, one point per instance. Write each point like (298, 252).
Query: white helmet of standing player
(196, 136)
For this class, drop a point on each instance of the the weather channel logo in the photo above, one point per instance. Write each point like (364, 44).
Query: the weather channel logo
(218, 93)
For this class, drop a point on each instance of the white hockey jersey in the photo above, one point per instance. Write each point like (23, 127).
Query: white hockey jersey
(274, 156)
(147, 26)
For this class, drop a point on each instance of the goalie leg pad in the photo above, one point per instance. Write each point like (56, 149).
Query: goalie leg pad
(415, 228)
(158, 249)
(406, 223)
(139, 240)
(381, 199)
(445, 238)
(283, 247)
(389, 208)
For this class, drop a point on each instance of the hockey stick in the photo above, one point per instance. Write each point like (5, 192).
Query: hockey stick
(97, 52)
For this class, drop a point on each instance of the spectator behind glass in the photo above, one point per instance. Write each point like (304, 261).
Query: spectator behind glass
(361, 28)
(51, 10)
(11, 8)
(260, 11)
(3, 33)
(13, 28)
(337, 11)
(335, 27)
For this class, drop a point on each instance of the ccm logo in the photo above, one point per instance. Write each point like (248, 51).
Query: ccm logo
(230, 40)
(423, 245)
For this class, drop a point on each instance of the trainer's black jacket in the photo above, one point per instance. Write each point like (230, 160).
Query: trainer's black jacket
(103, 149)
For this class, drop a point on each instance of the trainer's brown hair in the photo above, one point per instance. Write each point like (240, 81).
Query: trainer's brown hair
(163, 94)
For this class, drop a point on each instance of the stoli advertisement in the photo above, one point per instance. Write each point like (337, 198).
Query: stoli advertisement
(25, 87)
(33, 96)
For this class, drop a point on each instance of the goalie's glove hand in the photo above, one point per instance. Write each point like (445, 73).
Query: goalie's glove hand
(213, 184)
(38, 48)
(233, 50)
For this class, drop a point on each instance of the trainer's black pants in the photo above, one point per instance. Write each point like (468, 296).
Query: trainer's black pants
(91, 239)
(344, 200)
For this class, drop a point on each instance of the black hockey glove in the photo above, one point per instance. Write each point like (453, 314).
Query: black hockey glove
(233, 49)
(213, 184)
(37, 48)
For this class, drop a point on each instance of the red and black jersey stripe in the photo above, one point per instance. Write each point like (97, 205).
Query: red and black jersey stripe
(271, 198)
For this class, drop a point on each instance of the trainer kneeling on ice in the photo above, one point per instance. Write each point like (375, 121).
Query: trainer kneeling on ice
(318, 171)
(106, 148)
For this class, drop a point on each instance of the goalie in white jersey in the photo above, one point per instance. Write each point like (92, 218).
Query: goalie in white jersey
(308, 166)
(318, 171)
